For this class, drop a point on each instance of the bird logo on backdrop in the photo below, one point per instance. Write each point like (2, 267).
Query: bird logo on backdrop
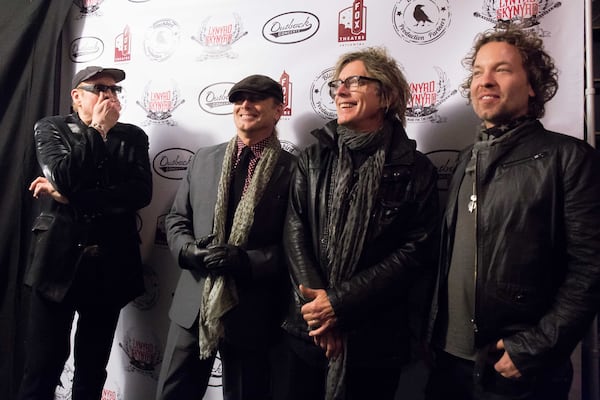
(420, 16)
(421, 22)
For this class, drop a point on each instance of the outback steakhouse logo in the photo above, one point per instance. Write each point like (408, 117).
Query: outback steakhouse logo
(291, 27)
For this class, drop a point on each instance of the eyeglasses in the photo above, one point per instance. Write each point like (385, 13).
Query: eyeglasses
(97, 88)
(351, 83)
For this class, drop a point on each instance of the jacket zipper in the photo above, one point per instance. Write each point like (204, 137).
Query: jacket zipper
(537, 156)
(474, 196)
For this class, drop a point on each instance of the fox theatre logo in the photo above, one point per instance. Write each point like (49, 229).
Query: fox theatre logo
(352, 23)
(123, 46)
(421, 22)
(521, 13)
(426, 97)
(159, 102)
(286, 86)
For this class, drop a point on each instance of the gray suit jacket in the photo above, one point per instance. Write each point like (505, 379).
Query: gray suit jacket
(263, 295)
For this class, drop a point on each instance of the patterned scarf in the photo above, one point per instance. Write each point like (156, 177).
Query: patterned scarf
(219, 294)
(353, 196)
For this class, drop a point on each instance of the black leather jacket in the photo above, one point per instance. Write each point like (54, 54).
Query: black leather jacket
(105, 184)
(372, 307)
(537, 282)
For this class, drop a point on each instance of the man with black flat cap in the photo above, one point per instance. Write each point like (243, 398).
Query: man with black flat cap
(224, 229)
(85, 250)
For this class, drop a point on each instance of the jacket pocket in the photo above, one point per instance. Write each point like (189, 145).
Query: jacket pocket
(522, 300)
(524, 160)
(54, 255)
(42, 223)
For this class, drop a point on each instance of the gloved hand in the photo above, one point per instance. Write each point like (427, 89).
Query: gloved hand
(191, 255)
(226, 258)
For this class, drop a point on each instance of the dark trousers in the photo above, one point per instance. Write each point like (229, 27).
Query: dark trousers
(183, 375)
(48, 347)
(455, 378)
(302, 372)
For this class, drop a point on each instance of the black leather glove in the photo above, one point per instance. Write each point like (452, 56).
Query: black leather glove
(227, 258)
(191, 255)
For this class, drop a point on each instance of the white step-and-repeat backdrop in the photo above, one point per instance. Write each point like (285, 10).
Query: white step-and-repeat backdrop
(182, 57)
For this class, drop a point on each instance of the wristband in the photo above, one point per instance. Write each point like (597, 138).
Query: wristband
(100, 129)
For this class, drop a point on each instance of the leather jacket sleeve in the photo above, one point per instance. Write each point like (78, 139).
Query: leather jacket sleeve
(298, 237)
(95, 176)
(576, 301)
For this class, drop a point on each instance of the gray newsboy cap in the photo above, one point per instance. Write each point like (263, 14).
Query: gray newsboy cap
(89, 72)
(257, 84)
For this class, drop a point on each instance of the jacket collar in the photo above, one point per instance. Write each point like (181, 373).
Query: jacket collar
(401, 149)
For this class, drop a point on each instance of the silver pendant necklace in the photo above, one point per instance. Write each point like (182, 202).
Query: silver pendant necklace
(472, 206)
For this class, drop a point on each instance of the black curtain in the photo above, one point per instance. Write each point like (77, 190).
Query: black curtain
(30, 34)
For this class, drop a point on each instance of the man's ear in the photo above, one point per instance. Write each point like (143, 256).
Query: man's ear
(278, 112)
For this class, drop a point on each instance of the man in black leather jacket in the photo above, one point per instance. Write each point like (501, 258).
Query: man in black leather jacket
(360, 231)
(85, 252)
(519, 279)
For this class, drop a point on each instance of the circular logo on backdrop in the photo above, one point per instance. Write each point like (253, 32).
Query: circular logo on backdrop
(216, 374)
(64, 390)
(320, 99)
(289, 147)
(421, 22)
(291, 27)
(151, 291)
(161, 39)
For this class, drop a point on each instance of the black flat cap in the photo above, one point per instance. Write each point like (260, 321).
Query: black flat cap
(90, 72)
(257, 84)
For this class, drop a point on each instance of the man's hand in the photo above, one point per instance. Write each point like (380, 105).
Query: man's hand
(225, 258)
(42, 187)
(318, 312)
(505, 366)
(191, 255)
(331, 342)
(106, 113)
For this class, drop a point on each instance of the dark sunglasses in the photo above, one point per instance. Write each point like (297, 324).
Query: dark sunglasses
(251, 97)
(97, 88)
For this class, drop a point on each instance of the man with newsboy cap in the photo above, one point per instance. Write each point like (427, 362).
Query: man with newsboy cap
(224, 229)
(85, 249)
